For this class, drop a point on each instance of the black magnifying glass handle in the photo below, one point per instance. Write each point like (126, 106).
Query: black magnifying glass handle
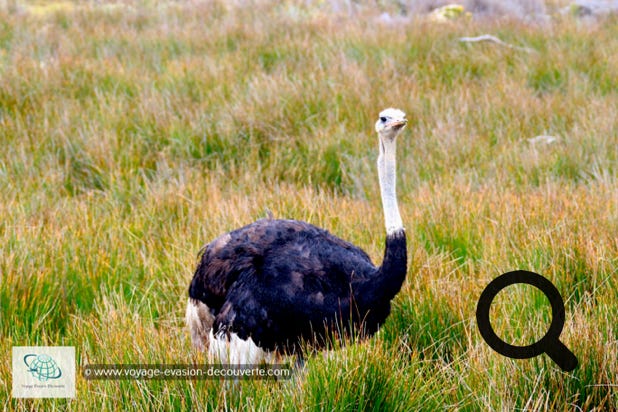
(560, 354)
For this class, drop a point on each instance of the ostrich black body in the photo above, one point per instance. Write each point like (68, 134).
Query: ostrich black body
(282, 282)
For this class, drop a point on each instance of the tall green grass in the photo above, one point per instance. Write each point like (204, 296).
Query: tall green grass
(133, 133)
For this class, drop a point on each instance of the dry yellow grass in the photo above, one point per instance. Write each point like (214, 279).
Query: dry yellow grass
(134, 133)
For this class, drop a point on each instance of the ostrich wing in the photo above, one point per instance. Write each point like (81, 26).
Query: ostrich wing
(278, 280)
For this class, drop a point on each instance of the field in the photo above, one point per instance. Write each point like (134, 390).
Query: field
(133, 133)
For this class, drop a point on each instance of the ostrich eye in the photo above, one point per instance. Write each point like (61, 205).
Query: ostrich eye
(383, 119)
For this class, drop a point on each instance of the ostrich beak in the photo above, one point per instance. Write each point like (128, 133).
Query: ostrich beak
(399, 124)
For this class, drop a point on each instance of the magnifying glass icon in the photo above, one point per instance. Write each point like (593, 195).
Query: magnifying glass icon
(549, 344)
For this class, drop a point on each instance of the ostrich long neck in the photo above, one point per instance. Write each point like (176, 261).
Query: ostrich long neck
(388, 178)
(380, 288)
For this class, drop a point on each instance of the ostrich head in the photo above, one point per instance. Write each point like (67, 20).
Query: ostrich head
(390, 123)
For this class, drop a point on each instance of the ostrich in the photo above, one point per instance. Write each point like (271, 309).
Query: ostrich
(268, 286)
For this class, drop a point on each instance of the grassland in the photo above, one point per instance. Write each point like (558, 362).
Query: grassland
(132, 134)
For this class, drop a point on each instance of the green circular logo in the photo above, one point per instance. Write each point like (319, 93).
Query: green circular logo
(43, 367)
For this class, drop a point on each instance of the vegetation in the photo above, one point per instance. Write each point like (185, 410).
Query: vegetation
(133, 133)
